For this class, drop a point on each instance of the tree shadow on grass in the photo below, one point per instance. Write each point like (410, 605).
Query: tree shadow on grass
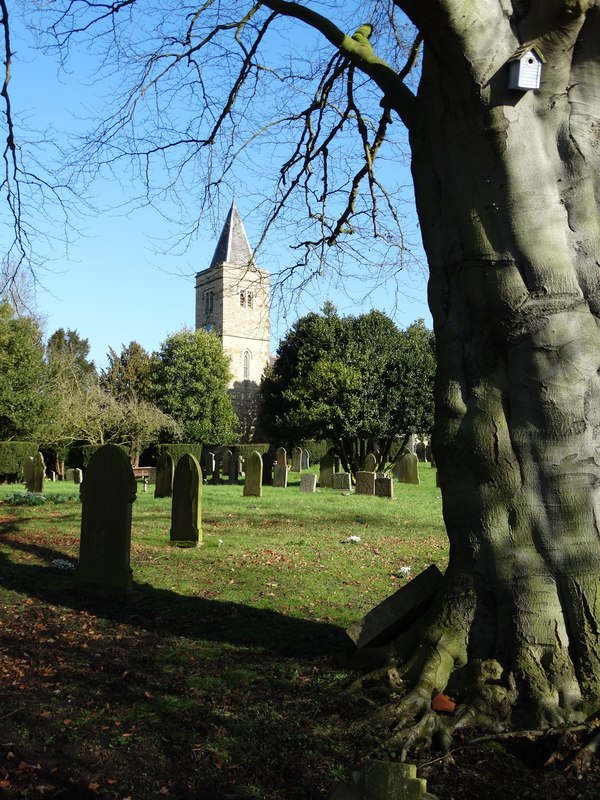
(171, 613)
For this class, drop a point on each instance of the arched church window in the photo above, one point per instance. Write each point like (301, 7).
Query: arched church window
(242, 299)
(246, 357)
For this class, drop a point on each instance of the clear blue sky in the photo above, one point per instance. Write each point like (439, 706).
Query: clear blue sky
(112, 286)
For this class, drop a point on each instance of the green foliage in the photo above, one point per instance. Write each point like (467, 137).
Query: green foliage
(69, 345)
(23, 404)
(190, 378)
(12, 456)
(25, 499)
(128, 375)
(179, 449)
(356, 381)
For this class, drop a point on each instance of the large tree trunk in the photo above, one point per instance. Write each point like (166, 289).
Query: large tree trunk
(507, 188)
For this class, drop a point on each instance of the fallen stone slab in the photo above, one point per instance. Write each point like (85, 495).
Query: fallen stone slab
(398, 611)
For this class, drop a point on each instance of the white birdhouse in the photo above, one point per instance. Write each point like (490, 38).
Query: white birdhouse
(525, 68)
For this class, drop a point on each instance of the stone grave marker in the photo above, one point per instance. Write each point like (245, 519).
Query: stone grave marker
(186, 506)
(216, 468)
(226, 456)
(296, 459)
(28, 473)
(69, 474)
(77, 475)
(280, 473)
(421, 451)
(308, 482)
(107, 495)
(370, 464)
(268, 461)
(209, 463)
(234, 469)
(384, 487)
(165, 469)
(398, 611)
(326, 465)
(409, 469)
(305, 459)
(365, 482)
(341, 481)
(254, 472)
(384, 780)
(38, 474)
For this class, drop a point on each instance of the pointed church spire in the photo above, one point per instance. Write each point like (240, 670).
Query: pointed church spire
(233, 246)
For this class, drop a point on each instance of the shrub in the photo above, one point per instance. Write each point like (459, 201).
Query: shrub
(12, 456)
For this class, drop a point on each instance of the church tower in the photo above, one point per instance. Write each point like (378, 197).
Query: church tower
(233, 299)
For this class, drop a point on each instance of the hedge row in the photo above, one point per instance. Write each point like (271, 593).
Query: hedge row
(12, 456)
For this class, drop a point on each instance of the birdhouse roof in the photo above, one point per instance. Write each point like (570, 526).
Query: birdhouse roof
(524, 50)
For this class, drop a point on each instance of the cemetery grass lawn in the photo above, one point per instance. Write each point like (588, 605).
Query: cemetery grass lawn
(221, 675)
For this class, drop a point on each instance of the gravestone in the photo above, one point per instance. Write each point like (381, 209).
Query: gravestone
(308, 482)
(326, 465)
(370, 464)
(296, 459)
(165, 469)
(38, 474)
(268, 462)
(226, 456)
(280, 473)
(365, 482)
(384, 780)
(186, 506)
(107, 495)
(69, 474)
(254, 472)
(305, 459)
(209, 463)
(28, 473)
(421, 451)
(234, 469)
(216, 468)
(409, 469)
(77, 475)
(398, 611)
(384, 487)
(341, 481)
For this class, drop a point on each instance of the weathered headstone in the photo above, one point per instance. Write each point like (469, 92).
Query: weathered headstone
(326, 471)
(421, 451)
(107, 494)
(305, 459)
(268, 462)
(165, 469)
(384, 780)
(254, 472)
(209, 463)
(28, 473)
(341, 481)
(409, 469)
(77, 475)
(384, 487)
(69, 474)
(38, 474)
(234, 469)
(280, 473)
(216, 468)
(186, 506)
(296, 459)
(365, 482)
(397, 612)
(308, 482)
(370, 464)
(226, 456)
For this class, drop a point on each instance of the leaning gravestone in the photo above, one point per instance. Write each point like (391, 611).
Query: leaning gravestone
(308, 482)
(326, 465)
(296, 459)
(254, 472)
(280, 473)
(38, 474)
(341, 481)
(384, 487)
(165, 469)
(365, 482)
(186, 506)
(107, 494)
(409, 469)
(398, 611)
(28, 473)
(370, 464)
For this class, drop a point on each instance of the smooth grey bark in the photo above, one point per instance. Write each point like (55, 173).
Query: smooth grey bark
(507, 186)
